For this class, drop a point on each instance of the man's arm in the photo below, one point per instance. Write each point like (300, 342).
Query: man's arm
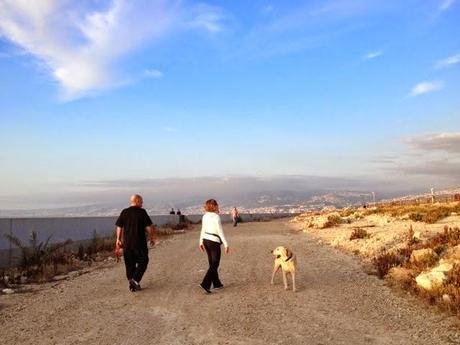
(119, 234)
(150, 230)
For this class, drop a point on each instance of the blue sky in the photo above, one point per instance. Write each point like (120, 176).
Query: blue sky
(108, 90)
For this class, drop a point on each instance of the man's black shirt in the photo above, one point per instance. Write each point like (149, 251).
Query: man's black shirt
(134, 220)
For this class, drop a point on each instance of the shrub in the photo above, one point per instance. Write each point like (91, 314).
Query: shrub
(359, 233)
(387, 260)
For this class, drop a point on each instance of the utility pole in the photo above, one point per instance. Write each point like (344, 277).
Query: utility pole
(373, 198)
(432, 195)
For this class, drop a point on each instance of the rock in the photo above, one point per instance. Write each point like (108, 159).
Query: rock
(23, 279)
(453, 253)
(7, 291)
(446, 299)
(424, 256)
(60, 277)
(444, 266)
(454, 214)
(431, 280)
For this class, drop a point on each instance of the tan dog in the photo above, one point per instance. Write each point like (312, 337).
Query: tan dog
(285, 260)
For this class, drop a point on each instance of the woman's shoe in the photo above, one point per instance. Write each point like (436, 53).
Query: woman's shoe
(206, 290)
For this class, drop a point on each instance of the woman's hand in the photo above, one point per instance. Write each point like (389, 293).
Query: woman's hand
(227, 250)
(202, 247)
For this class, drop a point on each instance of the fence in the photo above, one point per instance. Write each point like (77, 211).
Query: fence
(83, 228)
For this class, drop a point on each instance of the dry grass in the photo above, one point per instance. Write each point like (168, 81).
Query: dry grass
(427, 213)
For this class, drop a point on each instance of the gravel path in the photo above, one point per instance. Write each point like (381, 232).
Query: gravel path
(336, 302)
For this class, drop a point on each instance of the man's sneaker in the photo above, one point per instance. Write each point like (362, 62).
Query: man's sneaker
(205, 290)
(221, 286)
(134, 285)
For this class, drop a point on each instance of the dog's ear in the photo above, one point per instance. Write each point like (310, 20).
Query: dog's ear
(288, 252)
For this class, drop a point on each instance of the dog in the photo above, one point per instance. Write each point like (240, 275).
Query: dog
(286, 260)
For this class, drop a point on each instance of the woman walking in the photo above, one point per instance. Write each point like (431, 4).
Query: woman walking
(211, 237)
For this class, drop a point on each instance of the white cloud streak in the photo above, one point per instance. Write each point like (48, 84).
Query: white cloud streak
(426, 87)
(448, 62)
(153, 74)
(81, 46)
(373, 55)
(446, 4)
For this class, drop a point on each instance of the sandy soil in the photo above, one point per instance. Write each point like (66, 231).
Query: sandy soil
(337, 303)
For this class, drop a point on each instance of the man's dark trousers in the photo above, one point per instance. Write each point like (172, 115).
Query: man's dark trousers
(136, 261)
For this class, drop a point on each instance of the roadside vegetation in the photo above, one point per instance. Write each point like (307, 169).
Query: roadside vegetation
(414, 247)
(42, 261)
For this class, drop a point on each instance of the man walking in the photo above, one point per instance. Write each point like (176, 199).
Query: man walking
(131, 228)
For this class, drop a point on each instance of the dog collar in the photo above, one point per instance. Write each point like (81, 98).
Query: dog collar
(289, 258)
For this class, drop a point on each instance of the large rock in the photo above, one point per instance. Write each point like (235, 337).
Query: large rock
(436, 277)
(431, 280)
(423, 256)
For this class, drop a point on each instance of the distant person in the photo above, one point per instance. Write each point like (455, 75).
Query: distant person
(172, 211)
(211, 237)
(178, 212)
(131, 228)
(235, 216)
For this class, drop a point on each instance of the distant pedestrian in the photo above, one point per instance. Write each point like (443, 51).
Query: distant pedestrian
(211, 237)
(178, 212)
(235, 216)
(172, 211)
(131, 228)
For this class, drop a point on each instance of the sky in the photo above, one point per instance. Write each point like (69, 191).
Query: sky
(112, 92)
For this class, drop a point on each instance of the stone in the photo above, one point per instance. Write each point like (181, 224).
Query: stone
(426, 255)
(7, 291)
(453, 253)
(446, 299)
(431, 280)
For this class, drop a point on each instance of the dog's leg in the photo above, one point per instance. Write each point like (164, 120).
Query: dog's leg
(275, 269)
(285, 281)
(293, 281)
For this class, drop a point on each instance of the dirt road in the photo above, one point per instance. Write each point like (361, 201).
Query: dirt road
(336, 302)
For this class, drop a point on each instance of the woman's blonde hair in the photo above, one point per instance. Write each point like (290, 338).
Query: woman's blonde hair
(211, 205)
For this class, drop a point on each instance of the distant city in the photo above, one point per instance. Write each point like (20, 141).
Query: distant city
(287, 202)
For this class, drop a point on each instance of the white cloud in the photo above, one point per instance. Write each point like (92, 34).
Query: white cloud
(81, 46)
(209, 18)
(373, 55)
(426, 87)
(153, 73)
(446, 4)
(448, 62)
(170, 129)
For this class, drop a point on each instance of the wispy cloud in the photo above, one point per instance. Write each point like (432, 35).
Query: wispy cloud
(448, 62)
(373, 55)
(170, 129)
(207, 17)
(446, 4)
(153, 74)
(81, 46)
(426, 87)
(448, 142)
